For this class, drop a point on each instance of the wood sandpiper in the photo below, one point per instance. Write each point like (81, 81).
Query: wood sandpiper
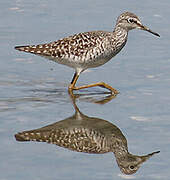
(86, 134)
(89, 49)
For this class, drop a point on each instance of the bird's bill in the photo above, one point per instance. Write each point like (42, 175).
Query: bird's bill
(147, 29)
(146, 157)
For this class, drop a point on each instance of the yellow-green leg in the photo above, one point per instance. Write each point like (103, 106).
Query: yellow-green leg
(100, 84)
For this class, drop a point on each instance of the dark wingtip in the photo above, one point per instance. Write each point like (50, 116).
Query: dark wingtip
(16, 47)
(19, 47)
(19, 137)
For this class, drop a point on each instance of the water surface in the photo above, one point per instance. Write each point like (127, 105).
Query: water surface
(33, 91)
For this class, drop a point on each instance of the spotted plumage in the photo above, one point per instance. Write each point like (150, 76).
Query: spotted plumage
(80, 51)
(76, 139)
(89, 135)
(89, 49)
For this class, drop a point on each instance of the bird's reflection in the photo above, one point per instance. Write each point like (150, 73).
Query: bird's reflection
(90, 135)
(95, 97)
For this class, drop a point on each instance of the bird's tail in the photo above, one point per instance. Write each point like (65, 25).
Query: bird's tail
(34, 49)
(21, 48)
(32, 136)
(30, 49)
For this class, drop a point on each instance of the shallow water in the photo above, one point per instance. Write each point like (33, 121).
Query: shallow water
(33, 91)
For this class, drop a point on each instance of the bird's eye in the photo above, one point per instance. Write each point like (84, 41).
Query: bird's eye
(130, 20)
(131, 167)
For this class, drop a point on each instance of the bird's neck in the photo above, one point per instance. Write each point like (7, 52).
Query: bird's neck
(120, 36)
(121, 154)
(119, 147)
(119, 30)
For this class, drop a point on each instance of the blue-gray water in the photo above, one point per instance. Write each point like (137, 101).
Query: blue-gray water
(33, 91)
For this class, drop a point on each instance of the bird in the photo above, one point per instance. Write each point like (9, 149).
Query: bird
(89, 49)
(91, 135)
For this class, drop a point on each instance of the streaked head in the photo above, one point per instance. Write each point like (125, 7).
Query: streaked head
(130, 21)
(131, 163)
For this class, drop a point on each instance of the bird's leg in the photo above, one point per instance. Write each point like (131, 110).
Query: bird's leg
(100, 84)
(73, 82)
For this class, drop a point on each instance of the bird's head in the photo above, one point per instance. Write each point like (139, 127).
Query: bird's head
(131, 163)
(130, 21)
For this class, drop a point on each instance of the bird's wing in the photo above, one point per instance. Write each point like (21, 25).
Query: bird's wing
(75, 45)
